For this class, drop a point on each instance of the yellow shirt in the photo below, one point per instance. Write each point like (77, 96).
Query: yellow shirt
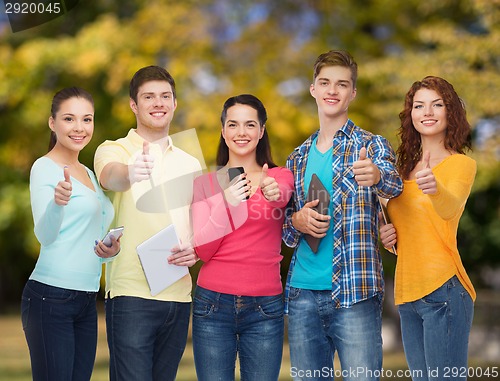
(426, 227)
(146, 208)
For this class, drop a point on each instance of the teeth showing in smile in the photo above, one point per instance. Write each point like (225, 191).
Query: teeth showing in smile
(428, 122)
(241, 141)
(157, 114)
(331, 101)
(77, 138)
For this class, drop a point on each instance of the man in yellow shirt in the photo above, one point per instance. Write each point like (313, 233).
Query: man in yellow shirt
(152, 184)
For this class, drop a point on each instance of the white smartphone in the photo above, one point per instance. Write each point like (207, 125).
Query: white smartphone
(115, 232)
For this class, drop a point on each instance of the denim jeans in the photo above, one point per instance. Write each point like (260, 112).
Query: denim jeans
(225, 326)
(146, 338)
(316, 329)
(60, 326)
(435, 332)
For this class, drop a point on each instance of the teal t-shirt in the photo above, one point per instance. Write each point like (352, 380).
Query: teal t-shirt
(313, 271)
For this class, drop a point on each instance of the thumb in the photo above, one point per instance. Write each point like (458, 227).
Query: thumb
(362, 153)
(145, 148)
(67, 174)
(427, 159)
(263, 175)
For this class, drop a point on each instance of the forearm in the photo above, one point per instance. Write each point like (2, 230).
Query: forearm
(210, 225)
(290, 235)
(390, 184)
(48, 225)
(447, 202)
(115, 177)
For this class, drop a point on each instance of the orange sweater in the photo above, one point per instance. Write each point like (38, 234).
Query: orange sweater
(426, 227)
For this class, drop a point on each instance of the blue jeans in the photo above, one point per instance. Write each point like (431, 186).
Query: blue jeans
(316, 329)
(435, 332)
(225, 326)
(61, 330)
(146, 338)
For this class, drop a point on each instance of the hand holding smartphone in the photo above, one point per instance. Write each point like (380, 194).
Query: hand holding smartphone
(234, 172)
(116, 233)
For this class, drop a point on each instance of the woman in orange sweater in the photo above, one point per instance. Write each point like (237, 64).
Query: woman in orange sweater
(432, 290)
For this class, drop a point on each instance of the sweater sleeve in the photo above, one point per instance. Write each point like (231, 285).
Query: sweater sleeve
(210, 218)
(290, 235)
(453, 188)
(47, 215)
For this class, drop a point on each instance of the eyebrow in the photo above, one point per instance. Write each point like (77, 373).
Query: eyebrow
(339, 81)
(246, 121)
(153, 93)
(70, 114)
(435, 100)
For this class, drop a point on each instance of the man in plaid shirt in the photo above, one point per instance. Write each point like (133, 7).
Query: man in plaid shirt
(334, 296)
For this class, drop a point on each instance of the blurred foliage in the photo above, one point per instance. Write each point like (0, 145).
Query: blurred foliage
(219, 48)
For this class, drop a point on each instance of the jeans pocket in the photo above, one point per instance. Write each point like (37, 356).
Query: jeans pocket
(25, 311)
(272, 308)
(468, 306)
(294, 293)
(202, 307)
(59, 296)
(439, 297)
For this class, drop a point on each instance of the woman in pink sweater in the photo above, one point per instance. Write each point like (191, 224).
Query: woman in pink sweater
(238, 304)
(432, 290)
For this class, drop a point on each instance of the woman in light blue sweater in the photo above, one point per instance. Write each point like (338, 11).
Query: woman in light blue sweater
(71, 214)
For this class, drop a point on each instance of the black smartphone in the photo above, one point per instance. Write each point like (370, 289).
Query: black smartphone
(234, 172)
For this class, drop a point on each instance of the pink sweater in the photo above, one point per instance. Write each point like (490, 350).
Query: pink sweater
(240, 245)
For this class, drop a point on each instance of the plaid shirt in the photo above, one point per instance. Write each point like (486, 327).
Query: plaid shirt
(361, 273)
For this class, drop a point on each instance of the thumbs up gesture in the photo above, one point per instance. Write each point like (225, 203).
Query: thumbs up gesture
(143, 165)
(365, 172)
(62, 192)
(268, 185)
(425, 178)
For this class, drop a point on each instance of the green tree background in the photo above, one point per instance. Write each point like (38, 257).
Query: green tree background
(219, 48)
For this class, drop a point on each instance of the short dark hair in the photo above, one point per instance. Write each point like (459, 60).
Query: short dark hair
(147, 74)
(336, 58)
(61, 96)
(263, 153)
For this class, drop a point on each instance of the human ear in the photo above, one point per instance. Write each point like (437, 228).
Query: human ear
(51, 123)
(133, 106)
(311, 90)
(354, 92)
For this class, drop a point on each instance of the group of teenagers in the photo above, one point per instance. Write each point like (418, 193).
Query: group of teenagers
(333, 295)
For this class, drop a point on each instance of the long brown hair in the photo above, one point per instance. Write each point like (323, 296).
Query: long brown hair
(458, 130)
(263, 150)
(59, 98)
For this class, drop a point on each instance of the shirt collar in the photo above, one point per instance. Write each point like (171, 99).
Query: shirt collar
(138, 140)
(347, 129)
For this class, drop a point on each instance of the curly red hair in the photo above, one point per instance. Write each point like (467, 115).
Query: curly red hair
(458, 131)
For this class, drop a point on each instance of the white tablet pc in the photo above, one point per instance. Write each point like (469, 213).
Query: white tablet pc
(153, 254)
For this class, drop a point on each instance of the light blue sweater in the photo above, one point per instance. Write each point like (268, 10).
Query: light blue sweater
(67, 234)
